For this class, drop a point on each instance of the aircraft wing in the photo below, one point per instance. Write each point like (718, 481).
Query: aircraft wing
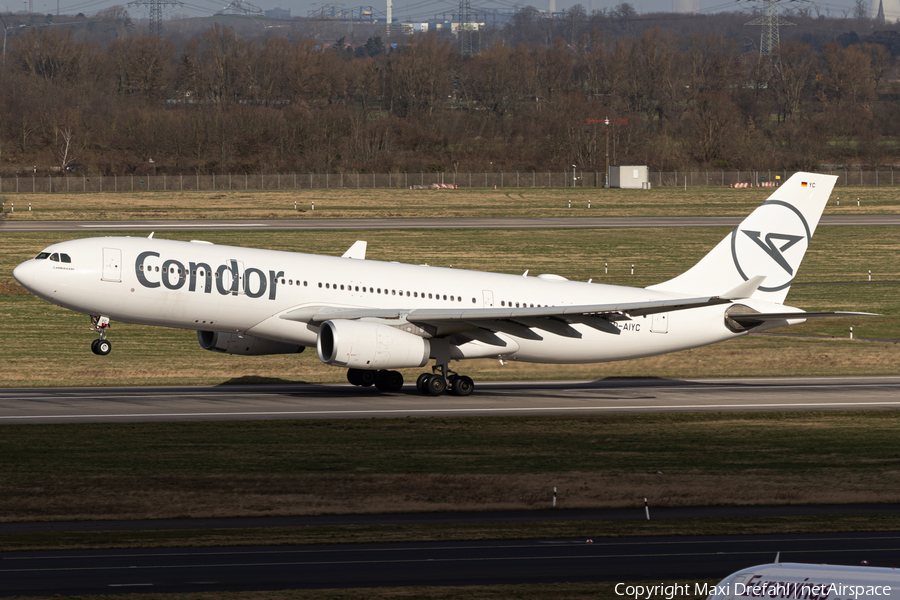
(519, 322)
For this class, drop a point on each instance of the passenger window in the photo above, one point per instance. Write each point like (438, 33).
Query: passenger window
(503, 303)
(342, 286)
(357, 288)
(304, 284)
(54, 257)
(445, 296)
(429, 296)
(473, 300)
(407, 294)
(320, 284)
(415, 294)
(393, 292)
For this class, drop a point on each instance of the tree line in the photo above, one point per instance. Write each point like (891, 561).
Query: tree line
(222, 102)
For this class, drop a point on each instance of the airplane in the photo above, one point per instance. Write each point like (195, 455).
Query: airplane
(807, 582)
(372, 317)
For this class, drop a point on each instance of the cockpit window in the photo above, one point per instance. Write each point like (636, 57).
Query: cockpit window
(65, 258)
(42, 256)
(54, 257)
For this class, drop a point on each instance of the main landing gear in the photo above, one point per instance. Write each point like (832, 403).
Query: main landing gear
(435, 384)
(429, 384)
(386, 381)
(101, 345)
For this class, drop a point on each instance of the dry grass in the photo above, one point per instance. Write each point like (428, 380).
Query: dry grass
(168, 470)
(403, 203)
(208, 496)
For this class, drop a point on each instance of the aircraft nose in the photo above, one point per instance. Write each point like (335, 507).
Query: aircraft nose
(26, 275)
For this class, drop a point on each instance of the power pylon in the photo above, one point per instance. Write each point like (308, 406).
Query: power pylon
(769, 22)
(464, 33)
(156, 7)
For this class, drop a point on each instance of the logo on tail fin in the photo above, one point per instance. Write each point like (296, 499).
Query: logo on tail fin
(775, 238)
(777, 253)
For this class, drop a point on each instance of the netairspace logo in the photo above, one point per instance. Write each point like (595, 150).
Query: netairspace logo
(805, 590)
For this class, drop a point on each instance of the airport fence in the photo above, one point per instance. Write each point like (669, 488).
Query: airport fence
(70, 183)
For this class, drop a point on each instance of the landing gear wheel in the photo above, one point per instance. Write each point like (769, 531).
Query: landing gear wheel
(367, 378)
(422, 383)
(94, 346)
(436, 385)
(389, 381)
(103, 347)
(354, 376)
(463, 386)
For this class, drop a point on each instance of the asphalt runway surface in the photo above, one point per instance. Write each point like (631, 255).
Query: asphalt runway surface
(437, 223)
(683, 559)
(330, 401)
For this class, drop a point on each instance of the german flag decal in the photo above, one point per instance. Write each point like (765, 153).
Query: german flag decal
(803, 184)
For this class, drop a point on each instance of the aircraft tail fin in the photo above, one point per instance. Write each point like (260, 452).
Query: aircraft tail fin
(769, 243)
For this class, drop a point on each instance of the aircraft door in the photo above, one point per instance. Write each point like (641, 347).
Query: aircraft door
(660, 323)
(488, 299)
(112, 264)
(242, 287)
(234, 269)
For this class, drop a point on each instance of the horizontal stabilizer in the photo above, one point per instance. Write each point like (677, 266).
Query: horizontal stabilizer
(752, 319)
(746, 289)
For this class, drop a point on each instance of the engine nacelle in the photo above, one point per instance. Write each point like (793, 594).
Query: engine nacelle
(233, 343)
(361, 345)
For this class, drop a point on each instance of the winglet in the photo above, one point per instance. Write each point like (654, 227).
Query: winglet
(746, 289)
(357, 250)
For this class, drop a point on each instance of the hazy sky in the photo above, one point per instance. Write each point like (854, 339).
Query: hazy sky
(416, 10)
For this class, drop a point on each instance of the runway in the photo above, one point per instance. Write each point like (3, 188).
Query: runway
(683, 559)
(437, 223)
(331, 401)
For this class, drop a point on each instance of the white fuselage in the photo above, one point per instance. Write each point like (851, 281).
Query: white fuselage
(189, 285)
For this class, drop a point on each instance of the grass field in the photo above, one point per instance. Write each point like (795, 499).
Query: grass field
(48, 345)
(260, 468)
(403, 203)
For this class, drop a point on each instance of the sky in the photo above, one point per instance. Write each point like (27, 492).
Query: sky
(416, 10)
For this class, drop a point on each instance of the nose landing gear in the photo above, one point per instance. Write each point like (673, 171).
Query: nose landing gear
(100, 346)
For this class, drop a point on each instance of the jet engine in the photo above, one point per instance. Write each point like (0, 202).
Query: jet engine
(368, 346)
(233, 343)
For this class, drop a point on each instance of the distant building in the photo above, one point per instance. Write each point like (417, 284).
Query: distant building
(631, 176)
(278, 13)
(686, 6)
(885, 11)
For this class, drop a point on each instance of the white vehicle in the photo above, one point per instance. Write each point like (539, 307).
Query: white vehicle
(795, 581)
(371, 317)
